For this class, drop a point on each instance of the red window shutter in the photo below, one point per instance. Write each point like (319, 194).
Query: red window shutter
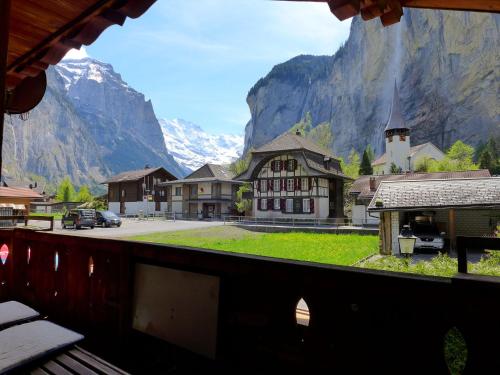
(310, 183)
(270, 185)
(269, 204)
(283, 204)
(282, 165)
(285, 165)
(272, 166)
(282, 184)
(294, 164)
(312, 205)
(258, 186)
(299, 184)
(294, 184)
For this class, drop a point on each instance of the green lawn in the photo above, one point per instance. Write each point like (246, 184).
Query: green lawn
(56, 215)
(341, 249)
(441, 265)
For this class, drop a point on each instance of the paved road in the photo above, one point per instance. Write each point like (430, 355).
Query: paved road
(132, 227)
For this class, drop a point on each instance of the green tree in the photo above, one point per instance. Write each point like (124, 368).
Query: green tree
(84, 194)
(351, 168)
(426, 164)
(366, 164)
(371, 154)
(486, 161)
(458, 158)
(395, 168)
(65, 191)
(241, 165)
(243, 205)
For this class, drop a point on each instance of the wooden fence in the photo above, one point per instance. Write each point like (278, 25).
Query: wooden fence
(361, 321)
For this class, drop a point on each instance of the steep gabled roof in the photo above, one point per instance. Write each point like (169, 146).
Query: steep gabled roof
(292, 142)
(220, 171)
(135, 175)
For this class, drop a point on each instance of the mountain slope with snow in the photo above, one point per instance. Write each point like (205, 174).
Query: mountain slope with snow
(192, 147)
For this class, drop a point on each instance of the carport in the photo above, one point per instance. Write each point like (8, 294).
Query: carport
(458, 207)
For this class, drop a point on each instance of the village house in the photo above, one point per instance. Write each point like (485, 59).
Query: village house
(398, 151)
(208, 192)
(455, 207)
(139, 191)
(364, 188)
(293, 177)
(16, 200)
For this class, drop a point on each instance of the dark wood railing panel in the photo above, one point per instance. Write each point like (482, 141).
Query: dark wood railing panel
(360, 320)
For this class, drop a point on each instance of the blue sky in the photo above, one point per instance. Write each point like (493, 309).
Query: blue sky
(197, 59)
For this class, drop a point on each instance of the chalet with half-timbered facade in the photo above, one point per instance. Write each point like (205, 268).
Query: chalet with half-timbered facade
(293, 177)
(208, 193)
(131, 192)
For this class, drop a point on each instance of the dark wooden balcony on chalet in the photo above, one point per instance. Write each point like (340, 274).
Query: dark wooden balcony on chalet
(152, 309)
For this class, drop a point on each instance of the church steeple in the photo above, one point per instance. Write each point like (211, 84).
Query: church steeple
(396, 120)
(397, 137)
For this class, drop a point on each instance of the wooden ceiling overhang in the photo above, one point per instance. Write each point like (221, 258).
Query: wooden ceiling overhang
(42, 32)
(390, 11)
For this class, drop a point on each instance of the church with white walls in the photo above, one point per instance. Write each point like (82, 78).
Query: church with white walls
(398, 151)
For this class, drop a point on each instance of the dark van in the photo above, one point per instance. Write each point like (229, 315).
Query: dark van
(79, 218)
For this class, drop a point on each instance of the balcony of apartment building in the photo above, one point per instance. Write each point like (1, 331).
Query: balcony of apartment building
(151, 308)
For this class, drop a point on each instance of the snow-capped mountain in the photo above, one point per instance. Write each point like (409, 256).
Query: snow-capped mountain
(192, 147)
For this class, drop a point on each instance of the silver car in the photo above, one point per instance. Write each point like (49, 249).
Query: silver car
(428, 236)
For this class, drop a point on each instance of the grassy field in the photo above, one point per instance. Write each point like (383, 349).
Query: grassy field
(441, 265)
(341, 249)
(56, 215)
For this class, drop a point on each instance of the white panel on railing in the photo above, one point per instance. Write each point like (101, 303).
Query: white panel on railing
(178, 306)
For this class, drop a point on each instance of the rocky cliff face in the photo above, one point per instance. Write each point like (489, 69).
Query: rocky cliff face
(445, 63)
(89, 125)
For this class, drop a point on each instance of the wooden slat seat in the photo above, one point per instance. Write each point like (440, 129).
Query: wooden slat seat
(22, 344)
(13, 312)
(77, 361)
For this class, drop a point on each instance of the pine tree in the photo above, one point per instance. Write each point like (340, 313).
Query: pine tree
(371, 154)
(366, 166)
(485, 160)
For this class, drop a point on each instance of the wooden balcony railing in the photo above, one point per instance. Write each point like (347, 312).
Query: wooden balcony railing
(240, 310)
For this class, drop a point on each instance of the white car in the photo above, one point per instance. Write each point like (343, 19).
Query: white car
(428, 236)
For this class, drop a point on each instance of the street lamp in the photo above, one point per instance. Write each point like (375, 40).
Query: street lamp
(406, 241)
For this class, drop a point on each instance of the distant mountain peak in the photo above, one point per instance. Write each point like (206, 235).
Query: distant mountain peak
(192, 147)
(72, 70)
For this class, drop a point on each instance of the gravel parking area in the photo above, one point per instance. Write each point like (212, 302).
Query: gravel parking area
(132, 227)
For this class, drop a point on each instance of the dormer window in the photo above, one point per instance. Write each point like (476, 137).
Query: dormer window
(402, 137)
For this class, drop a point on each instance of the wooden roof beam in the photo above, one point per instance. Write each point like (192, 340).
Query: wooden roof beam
(390, 11)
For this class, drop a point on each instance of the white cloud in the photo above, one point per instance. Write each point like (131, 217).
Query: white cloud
(75, 54)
